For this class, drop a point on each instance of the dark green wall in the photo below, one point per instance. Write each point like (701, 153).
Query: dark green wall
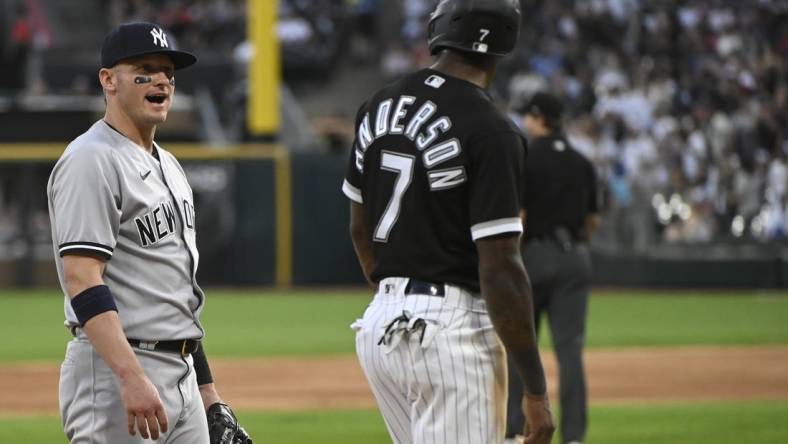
(238, 248)
(633, 271)
(322, 251)
(236, 231)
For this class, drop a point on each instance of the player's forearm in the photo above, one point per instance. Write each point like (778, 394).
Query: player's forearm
(81, 273)
(365, 258)
(204, 376)
(209, 395)
(362, 244)
(512, 316)
(506, 290)
(109, 340)
(104, 329)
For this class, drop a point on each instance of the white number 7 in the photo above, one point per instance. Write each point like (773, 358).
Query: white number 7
(403, 166)
(485, 33)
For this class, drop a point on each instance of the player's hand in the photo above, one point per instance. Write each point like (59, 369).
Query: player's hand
(144, 407)
(539, 425)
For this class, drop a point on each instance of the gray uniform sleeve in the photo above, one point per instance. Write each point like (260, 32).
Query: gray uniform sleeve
(85, 203)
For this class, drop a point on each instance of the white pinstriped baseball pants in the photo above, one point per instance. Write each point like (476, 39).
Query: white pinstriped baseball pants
(439, 374)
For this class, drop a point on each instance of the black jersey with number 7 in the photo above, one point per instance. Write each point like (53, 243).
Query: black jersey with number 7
(436, 165)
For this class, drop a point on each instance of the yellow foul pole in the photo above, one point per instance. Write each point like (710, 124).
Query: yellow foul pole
(263, 119)
(263, 115)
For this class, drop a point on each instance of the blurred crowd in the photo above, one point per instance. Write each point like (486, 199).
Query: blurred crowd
(24, 32)
(15, 45)
(681, 105)
(197, 24)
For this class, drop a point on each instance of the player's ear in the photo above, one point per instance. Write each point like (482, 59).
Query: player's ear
(108, 79)
(542, 122)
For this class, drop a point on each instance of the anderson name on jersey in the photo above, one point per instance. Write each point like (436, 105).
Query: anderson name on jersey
(436, 166)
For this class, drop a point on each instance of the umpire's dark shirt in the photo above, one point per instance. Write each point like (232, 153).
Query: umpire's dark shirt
(560, 189)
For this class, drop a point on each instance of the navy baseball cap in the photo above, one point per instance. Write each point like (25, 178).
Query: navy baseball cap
(542, 104)
(141, 38)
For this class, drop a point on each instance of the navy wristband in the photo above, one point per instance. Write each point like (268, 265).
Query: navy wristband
(92, 302)
(201, 368)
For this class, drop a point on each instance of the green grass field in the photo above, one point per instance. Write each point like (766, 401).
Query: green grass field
(313, 322)
(741, 423)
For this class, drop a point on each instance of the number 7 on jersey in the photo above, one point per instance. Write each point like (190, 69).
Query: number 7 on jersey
(402, 165)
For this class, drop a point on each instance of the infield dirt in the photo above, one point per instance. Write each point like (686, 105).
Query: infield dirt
(614, 376)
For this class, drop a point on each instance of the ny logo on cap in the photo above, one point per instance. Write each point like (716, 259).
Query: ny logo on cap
(159, 37)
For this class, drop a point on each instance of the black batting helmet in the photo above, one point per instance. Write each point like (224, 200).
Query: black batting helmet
(488, 27)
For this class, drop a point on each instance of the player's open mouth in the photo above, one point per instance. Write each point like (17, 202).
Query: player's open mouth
(156, 98)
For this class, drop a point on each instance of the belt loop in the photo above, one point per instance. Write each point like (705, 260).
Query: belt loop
(403, 285)
(148, 345)
(393, 286)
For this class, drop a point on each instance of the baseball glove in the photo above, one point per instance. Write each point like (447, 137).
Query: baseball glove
(223, 426)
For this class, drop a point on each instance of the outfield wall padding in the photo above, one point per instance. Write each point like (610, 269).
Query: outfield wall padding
(322, 251)
(244, 242)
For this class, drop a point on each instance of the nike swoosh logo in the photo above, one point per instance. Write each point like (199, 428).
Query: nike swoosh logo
(145, 175)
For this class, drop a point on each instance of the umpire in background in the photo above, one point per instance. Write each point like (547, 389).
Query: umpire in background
(560, 216)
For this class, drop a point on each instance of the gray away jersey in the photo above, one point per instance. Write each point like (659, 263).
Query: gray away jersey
(110, 198)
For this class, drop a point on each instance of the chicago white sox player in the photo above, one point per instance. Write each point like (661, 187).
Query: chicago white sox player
(434, 182)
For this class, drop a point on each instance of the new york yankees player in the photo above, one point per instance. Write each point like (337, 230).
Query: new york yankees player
(122, 217)
(434, 182)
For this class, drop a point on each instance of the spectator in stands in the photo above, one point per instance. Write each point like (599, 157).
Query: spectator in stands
(365, 39)
(21, 40)
(686, 98)
(698, 87)
(218, 24)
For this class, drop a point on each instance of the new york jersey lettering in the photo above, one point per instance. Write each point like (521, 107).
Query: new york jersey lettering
(156, 224)
(188, 214)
